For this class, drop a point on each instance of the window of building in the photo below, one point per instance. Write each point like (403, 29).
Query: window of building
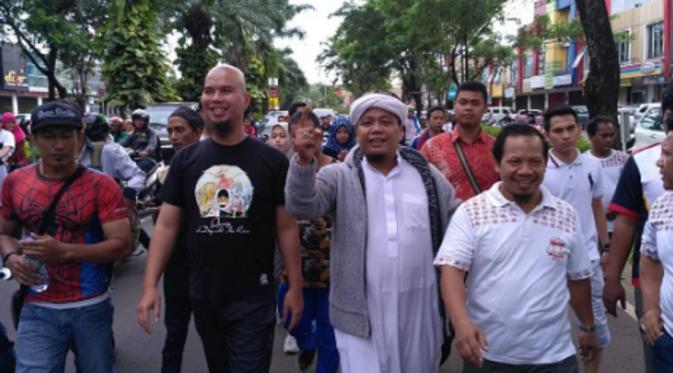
(540, 61)
(655, 40)
(513, 71)
(623, 40)
(528, 68)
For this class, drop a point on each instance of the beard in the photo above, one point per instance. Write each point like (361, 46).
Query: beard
(223, 129)
(522, 198)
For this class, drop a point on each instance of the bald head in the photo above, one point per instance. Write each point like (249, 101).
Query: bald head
(240, 77)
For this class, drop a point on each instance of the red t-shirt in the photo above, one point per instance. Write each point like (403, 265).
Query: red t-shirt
(441, 152)
(92, 199)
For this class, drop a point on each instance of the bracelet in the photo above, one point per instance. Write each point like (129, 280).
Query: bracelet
(588, 328)
(6, 256)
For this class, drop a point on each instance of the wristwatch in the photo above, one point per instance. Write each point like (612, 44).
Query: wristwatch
(588, 328)
(606, 248)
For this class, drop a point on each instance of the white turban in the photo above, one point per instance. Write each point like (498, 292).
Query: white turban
(378, 101)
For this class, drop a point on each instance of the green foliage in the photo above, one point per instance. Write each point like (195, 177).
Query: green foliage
(134, 67)
(419, 41)
(55, 30)
(583, 143)
(542, 30)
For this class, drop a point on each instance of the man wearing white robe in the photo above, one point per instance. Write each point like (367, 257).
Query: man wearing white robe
(390, 208)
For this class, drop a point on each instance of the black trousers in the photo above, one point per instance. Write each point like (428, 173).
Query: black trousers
(176, 319)
(568, 365)
(238, 336)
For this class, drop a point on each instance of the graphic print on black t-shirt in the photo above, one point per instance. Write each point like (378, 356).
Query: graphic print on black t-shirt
(228, 195)
(223, 192)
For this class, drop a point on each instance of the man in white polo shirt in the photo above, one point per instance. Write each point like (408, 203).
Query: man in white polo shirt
(524, 252)
(601, 133)
(578, 179)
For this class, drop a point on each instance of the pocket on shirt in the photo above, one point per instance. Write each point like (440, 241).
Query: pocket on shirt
(415, 211)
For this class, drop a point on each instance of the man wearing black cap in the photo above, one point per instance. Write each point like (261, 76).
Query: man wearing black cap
(77, 240)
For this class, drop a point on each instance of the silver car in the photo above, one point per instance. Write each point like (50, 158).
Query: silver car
(650, 129)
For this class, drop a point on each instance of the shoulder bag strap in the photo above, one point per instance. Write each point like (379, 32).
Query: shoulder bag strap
(466, 167)
(50, 213)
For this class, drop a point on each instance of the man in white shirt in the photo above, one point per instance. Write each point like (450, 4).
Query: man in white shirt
(389, 209)
(656, 265)
(601, 133)
(578, 179)
(523, 251)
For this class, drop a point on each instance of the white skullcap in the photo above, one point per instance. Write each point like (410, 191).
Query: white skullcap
(378, 101)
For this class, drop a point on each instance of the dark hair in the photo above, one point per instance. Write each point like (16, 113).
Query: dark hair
(555, 111)
(299, 117)
(436, 108)
(514, 130)
(294, 107)
(592, 126)
(192, 117)
(473, 86)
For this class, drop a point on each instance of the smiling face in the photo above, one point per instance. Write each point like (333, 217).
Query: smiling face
(224, 100)
(522, 167)
(379, 133)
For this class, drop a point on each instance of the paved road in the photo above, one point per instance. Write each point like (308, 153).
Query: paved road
(139, 352)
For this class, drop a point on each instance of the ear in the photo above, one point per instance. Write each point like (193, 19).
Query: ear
(496, 166)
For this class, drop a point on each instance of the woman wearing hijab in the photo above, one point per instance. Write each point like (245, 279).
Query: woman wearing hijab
(18, 158)
(341, 139)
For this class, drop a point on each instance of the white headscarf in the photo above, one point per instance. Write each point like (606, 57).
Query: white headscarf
(379, 101)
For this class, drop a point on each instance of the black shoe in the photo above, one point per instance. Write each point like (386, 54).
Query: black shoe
(304, 359)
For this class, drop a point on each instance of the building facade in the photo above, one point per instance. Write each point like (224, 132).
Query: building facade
(556, 71)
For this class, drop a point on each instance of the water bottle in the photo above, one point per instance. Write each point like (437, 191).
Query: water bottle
(40, 268)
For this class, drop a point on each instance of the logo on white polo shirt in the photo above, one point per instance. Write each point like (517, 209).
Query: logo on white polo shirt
(557, 249)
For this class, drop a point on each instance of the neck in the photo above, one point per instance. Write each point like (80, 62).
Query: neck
(469, 134)
(566, 157)
(433, 132)
(233, 138)
(384, 164)
(62, 172)
(601, 154)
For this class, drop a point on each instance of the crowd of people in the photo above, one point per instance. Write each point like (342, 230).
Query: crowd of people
(379, 243)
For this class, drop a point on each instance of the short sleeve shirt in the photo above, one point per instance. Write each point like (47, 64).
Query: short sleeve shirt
(638, 187)
(578, 183)
(657, 244)
(229, 196)
(612, 167)
(92, 199)
(441, 152)
(518, 265)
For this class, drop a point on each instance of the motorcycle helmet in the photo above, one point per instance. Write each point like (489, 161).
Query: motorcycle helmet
(140, 114)
(96, 126)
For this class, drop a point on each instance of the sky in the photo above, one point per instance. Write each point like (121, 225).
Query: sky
(318, 27)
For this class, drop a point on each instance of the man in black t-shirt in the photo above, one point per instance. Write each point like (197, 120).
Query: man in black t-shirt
(227, 193)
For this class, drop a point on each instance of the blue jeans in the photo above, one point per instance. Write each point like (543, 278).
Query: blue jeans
(45, 335)
(663, 353)
(314, 331)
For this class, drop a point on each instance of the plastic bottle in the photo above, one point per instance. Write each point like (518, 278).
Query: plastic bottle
(40, 268)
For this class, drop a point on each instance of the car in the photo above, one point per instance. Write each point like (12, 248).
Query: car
(270, 120)
(159, 113)
(530, 116)
(501, 112)
(321, 112)
(582, 114)
(649, 129)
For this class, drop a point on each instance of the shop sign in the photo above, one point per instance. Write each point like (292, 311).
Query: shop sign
(561, 80)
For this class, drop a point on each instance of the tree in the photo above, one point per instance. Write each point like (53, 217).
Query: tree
(52, 30)
(134, 66)
(240, 32)
(601, 89)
